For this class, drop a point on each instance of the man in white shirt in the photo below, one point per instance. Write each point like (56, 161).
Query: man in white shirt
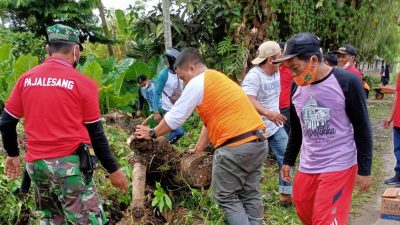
(262, 86)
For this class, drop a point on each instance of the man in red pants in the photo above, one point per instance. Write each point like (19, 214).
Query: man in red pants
(329, 122)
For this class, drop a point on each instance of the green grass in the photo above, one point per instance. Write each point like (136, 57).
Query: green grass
(274, 212)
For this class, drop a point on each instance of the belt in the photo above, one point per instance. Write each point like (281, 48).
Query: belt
(258, 133)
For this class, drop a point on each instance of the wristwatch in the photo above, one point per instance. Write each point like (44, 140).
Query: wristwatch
(152, 133)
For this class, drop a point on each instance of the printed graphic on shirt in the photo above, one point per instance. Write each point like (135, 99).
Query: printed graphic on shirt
(48, 82)
(316, 120)
(272, 86)
(148, 94)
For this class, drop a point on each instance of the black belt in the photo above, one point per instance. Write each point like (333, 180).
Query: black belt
(258, 133)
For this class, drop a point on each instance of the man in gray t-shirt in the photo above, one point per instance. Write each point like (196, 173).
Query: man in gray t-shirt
(262, 86)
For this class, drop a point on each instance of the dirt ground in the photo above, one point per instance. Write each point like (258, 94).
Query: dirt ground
(370, 213)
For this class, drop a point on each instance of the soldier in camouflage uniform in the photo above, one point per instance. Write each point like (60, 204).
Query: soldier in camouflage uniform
(61, 111)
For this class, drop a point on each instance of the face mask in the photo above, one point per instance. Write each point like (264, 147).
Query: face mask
(346, 65)
(307, 77)
(76, 59)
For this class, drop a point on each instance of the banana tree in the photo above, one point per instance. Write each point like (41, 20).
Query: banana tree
(117, 81)
(11, 70)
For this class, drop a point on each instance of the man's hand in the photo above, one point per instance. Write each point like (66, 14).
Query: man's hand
(119, 180)
(138, 113)
(157, 117)
(285, 173)
(276, 118)
(142, 132)
(195, 151)
(12, 167)
(363, 182)
(387, 122)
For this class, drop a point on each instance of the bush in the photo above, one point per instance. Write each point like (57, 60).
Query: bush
(373, 80)
(23, 43)
(16, 210)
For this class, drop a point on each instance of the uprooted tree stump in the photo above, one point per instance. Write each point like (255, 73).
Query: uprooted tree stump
(157, 158)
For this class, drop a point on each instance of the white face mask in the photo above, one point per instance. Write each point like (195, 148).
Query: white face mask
(346, 65)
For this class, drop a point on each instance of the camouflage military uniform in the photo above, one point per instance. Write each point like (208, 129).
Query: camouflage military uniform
(63, 195)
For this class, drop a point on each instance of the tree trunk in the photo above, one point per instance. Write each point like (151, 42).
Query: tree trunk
(138, 187)
(105, 27)
(167, 165)
(167, 24)
(162, 158)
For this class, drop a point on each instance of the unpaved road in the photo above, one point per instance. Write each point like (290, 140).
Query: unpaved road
(370, 213)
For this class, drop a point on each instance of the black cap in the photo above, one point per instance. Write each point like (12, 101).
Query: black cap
(282, 45)
(302, 43)
(347, 50)
(331, 58)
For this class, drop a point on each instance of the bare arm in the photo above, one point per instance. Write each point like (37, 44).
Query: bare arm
(275, 117)
(203, 140)
(143, 132)
(389, 118)
(162, 128)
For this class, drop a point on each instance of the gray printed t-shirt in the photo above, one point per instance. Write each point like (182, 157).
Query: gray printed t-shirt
(266, 88)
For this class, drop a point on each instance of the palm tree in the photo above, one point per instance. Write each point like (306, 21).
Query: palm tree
(105, 28)
(167, 24)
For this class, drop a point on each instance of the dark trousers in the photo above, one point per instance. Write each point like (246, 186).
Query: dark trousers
(396, 143)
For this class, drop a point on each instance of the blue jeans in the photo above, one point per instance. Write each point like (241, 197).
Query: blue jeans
(277, 143)
(396, 145)
(174, 135)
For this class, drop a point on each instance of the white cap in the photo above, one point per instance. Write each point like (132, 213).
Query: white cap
(266, 49)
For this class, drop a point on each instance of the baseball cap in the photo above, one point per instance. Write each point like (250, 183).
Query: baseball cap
(266, 49)
(347, 50)
(282, 45)
(173, 53)
(59, 32)
(331, 58)
(302, 43)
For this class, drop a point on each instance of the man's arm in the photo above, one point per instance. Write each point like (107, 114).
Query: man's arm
(356, 110)
(158, 88)
(105, 156)
(294, 143)
(203, 141)
(8, 128)
(101, 146)
(275, 117)
(295, 138)
(389, 118)
(191, 97)
(251, 85)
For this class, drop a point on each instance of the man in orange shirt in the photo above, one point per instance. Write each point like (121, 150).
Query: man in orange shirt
(234, 128)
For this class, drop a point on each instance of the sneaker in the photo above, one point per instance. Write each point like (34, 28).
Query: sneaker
(393, 180)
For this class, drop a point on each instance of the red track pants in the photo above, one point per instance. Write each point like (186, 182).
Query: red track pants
(324, 198)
